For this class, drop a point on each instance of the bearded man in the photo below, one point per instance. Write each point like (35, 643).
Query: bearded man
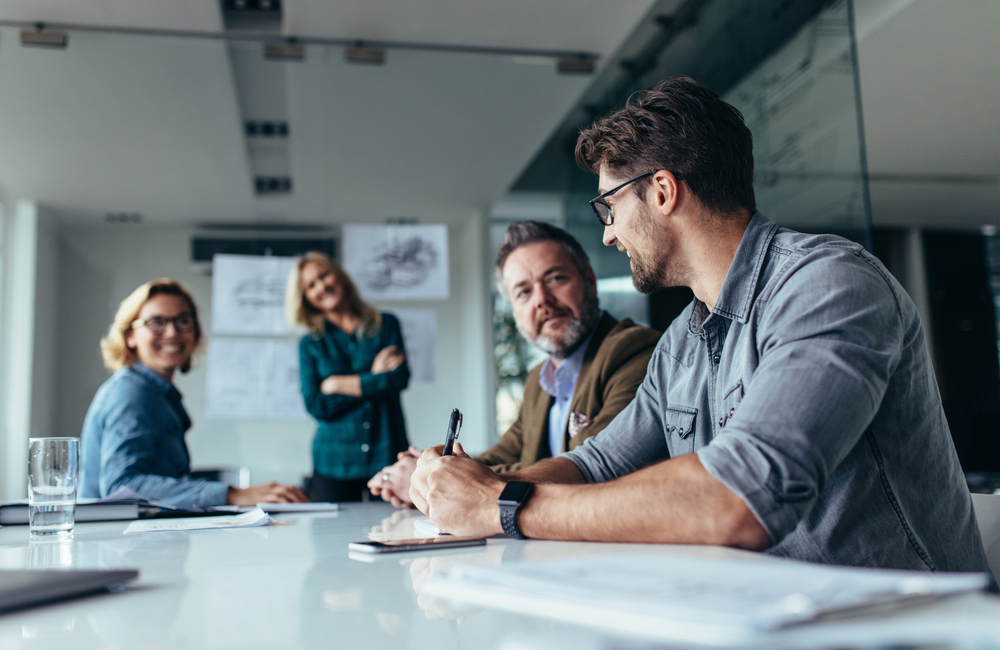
(594, 367)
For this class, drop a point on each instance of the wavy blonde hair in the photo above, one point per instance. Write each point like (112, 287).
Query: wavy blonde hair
(299, 311)
(116, 351)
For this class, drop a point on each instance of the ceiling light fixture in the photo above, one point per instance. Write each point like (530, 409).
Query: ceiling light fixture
(38, 37)
(284, 51)
(576, 65)
(361, 54)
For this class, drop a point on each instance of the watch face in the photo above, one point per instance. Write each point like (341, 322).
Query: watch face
(515, 492)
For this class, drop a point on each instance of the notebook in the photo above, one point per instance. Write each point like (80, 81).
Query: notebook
(22, 588)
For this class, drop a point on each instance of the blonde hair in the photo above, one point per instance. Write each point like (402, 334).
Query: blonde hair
(299, 311)
(116, 351)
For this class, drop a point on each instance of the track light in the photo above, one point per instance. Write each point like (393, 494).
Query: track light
(39, 37)
(361, 54)
(576, 65)
(284, 51)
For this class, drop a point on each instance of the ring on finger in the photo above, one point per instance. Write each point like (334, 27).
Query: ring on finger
(385, 477)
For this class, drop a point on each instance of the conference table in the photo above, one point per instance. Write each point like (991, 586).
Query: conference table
(294, 584)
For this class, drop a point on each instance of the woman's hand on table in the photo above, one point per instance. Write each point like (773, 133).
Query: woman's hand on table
(265, 493)
(388, 359)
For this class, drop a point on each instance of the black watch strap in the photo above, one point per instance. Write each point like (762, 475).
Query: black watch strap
(510, 504)
(508, 519)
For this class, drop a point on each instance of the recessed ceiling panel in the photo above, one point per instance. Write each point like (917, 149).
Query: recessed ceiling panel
(123, 124)
(588, 25)
(201, 15)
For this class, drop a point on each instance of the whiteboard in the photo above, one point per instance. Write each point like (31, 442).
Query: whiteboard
(397, 262)
(248, 294)
(253, 379)
(419, 337)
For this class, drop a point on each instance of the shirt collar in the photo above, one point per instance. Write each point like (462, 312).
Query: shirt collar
(151, 375)
(561, 381)
(736, 297)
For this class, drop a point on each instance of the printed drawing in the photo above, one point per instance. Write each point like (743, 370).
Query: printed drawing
(248, 294)
(403, 264)
(259, 292)
(397, 262)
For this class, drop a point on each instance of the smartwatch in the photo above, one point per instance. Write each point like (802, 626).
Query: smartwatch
(514, 495)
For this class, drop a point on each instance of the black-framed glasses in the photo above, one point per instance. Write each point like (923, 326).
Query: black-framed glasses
(601, 208)
(158, 324)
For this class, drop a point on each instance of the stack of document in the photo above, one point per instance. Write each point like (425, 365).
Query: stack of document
(680, 598)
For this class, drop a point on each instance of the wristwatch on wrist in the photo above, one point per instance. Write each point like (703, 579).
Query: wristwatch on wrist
(514, 495)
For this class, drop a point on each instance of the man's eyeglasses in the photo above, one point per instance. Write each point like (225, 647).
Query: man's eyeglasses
(601, 208)
(158, 324)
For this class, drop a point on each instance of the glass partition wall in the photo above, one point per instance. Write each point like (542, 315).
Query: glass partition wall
(790, 68)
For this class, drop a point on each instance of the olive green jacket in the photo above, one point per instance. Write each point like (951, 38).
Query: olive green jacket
(613, 367)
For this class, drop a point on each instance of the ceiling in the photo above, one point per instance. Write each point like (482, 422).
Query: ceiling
(153, 125)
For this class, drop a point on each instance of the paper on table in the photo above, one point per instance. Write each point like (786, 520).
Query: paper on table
(255, 517)
(688, 599)
(319, 506)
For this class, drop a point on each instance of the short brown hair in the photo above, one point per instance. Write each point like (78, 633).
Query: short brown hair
(299, 311)
(683, 127)
(116, 351)
(520, 233)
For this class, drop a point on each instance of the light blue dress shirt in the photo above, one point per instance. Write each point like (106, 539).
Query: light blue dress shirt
(560, 383)
(133, 437)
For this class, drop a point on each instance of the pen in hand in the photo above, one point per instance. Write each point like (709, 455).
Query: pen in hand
(454, 425)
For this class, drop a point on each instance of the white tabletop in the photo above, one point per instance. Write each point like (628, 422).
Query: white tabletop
(292, 585)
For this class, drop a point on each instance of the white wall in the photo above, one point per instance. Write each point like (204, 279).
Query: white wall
(99, 266)
(20, 240)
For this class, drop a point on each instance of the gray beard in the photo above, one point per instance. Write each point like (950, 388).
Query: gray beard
(576, 332)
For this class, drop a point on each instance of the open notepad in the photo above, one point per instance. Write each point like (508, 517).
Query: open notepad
(680, 598)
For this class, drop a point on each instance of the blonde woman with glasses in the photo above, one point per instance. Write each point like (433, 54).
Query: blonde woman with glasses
(133, 435)
(353, 369)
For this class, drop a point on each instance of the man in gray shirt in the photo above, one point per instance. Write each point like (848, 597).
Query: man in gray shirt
(791, 407)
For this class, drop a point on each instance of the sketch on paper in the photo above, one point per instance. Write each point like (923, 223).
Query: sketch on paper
(397, 262)
(248, 294)
(419, 337)
(253, 379)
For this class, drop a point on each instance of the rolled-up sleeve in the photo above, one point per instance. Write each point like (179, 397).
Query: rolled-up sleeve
(828, 339)
(632, 440)
(395, 381)
(319, 405)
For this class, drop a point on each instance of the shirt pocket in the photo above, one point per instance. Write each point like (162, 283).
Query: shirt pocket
(680, 429)
(730, 403)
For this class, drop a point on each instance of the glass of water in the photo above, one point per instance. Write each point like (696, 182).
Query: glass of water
(53, 468)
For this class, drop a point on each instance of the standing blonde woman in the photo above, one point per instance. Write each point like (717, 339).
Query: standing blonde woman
(353, 368)
(133, 436)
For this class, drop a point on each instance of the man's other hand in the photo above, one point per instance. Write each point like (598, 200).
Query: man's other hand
(393, 482)
(458, 493)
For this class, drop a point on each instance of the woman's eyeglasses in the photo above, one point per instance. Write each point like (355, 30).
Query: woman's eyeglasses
(158, 324)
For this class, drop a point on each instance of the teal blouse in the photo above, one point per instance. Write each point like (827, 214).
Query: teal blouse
(356, 436)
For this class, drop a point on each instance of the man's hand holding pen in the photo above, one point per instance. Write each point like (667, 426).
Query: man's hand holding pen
(458, 493)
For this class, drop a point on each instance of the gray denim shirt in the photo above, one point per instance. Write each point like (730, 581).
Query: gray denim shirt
(809, 392)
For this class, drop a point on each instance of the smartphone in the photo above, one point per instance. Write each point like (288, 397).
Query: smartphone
(418, 544)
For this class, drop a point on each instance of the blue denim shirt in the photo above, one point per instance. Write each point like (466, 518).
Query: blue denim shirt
(809, 392)
(133, 437)
(356, 436)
